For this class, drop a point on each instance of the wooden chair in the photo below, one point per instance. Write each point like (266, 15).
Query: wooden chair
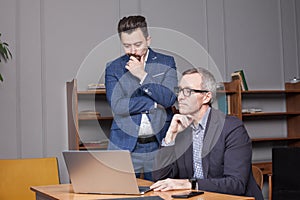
(17, 175)
(258, 176)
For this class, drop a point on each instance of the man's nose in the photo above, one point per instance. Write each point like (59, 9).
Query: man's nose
(180, 95)
(132, 49)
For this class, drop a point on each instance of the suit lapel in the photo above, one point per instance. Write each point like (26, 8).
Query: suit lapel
(214, 128)
(152, 58)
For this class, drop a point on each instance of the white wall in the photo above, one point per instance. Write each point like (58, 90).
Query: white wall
(51, 38)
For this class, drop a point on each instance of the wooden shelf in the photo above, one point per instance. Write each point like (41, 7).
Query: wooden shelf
(275, 139)
(271, 91)
(90, 146)
(261, 114)
(91, 92)
(76, 119)
(264, 92)
(234, 95)
(292, 91)
(94, 118)
(291, 96)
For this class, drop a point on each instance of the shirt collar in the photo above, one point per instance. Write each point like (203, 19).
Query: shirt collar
(146, 57)
(203, 121)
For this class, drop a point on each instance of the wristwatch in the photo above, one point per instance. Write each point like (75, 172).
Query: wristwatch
(193, 181)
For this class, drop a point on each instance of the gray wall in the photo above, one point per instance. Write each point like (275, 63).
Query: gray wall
(50, 40)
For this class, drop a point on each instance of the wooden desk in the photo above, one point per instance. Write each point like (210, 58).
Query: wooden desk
(65, 192)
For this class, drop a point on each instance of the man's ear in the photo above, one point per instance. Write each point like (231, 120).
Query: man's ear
(148, 39)
(207, 98)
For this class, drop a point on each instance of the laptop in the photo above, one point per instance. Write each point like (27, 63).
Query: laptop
(102, 172)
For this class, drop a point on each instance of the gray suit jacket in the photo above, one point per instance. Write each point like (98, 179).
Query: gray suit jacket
(226, 158)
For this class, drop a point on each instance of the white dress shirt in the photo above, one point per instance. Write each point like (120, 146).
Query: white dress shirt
(145, 125)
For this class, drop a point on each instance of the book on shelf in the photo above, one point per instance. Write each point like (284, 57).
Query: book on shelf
(228, 104)
(96, 86)
(239, 74)
(251, 110)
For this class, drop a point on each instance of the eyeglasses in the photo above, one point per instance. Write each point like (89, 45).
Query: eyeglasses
(187, 91)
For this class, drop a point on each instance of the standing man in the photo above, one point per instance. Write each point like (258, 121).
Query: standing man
(204, 149)
(139, 89)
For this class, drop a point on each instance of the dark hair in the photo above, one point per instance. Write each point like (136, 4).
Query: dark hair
(131, 23)
(208, 80)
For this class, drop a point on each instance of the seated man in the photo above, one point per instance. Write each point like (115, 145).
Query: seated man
(204, 149)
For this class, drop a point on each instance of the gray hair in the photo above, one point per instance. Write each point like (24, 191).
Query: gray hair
(208, 80)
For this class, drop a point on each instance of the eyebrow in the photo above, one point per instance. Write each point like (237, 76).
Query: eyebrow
(132, 44)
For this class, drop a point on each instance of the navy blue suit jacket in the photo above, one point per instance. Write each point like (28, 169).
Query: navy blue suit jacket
(226, 158)
(129, 99)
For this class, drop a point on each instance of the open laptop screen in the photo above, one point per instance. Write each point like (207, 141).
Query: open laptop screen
(103, 172)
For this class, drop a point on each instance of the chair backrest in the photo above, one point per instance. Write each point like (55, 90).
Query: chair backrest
(258, 176)
(17, 175)
(285, 173)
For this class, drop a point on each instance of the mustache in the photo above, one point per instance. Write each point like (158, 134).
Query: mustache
(134, 55)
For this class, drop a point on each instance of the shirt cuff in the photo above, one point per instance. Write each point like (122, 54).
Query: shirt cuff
(164, 144)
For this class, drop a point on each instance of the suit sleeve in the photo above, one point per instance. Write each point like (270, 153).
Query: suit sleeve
(119, 97)
(165, 165)
(162, 92)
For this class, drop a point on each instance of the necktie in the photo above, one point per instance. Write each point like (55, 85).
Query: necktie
(198, 135)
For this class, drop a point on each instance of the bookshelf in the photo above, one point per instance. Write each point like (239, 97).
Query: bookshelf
(81, 125)
(290, 115)
(235, 98)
